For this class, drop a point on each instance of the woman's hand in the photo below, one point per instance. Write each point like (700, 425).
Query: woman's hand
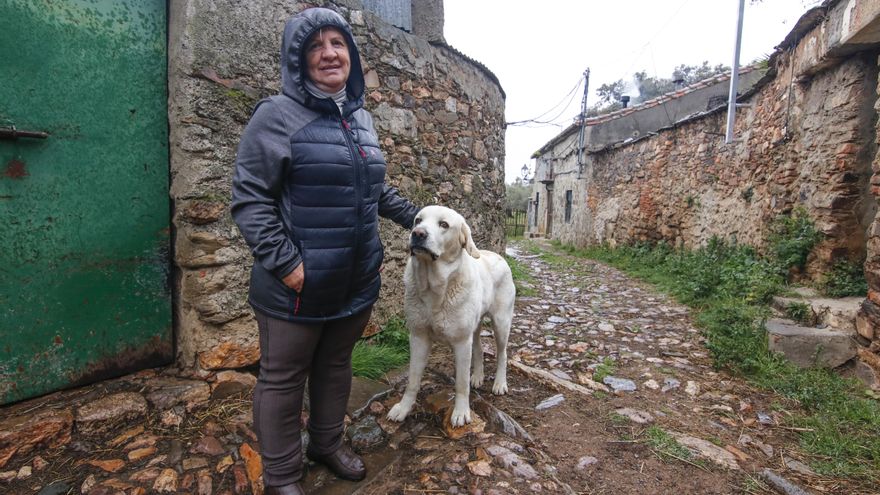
(294, 279)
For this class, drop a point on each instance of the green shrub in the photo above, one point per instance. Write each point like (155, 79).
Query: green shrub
(845, 279)
(799, 312)
(792, 238)
(736, 337)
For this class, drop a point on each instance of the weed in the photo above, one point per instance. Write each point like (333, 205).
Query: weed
(522, 279)
(388, 349)
(846, 278)
(394, 333)
(373, 360)
(665, 444)
(618, 419)
(799, 312)
(792, 238)
(605, 368)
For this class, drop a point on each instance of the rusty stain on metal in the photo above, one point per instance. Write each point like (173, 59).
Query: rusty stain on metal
(57, 340)
(15, 169)
(156, 352)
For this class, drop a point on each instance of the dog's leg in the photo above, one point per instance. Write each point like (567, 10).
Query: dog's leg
(461, 413)
(501, 323)
(477, 374)
(419, 347)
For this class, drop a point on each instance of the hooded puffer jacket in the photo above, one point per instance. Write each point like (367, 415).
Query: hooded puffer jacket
(308, 188)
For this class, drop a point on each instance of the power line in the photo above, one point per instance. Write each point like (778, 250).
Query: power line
(536, 120)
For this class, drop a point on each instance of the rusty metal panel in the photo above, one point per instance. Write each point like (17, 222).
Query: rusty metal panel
(84, 251)
(395, 12)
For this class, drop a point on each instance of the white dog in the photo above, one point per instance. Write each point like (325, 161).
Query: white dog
(450, 285)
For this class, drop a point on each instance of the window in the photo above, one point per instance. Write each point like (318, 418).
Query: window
(568, 206)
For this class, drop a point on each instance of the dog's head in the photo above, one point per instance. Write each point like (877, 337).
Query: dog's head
(440, 232)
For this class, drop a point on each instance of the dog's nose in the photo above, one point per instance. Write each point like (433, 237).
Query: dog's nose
(419, 235)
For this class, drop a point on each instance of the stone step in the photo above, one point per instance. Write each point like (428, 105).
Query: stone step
(836, 314)
(809, 347)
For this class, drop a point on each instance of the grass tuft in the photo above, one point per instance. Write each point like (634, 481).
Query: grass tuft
(799, 312)
(845, 279)
(606, 368)
(665, 444)
(388, 349)
(522, 279)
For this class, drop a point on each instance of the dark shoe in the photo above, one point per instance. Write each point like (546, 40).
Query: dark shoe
(291, 489)
(343, 462)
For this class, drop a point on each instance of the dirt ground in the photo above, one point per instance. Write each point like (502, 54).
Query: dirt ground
(585, 323)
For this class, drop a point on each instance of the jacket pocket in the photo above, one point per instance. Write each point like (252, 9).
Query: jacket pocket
(327, 277)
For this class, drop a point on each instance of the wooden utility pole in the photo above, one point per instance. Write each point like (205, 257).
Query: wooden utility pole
(581, 144)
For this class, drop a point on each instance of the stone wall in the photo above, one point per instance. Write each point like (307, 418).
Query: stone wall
(807, 137)
(440, 118)
(868, 320)
(806, 143)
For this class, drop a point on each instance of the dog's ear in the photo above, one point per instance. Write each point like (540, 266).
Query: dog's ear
(467, 242)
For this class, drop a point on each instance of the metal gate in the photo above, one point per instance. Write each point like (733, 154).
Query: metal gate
(84, 208)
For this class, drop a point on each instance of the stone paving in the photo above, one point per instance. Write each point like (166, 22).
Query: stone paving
(605, 371)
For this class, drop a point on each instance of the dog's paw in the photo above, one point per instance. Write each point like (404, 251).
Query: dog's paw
(476, 380)
(460, 417)
(499, 388)
(398, 412)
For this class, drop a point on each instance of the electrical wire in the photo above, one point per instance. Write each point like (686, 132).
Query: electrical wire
(537, 120)
(639, 52)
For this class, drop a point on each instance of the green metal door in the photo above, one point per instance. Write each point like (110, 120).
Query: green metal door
(84, 212)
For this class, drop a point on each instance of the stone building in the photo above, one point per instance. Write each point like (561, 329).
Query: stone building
(104, 274)
(807, 134)
(439, 114)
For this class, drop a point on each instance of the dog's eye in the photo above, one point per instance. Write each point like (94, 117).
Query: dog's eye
(444, 224)
(418, 221)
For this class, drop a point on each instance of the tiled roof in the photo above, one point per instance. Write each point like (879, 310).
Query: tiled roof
(672, 95)
(653, 102)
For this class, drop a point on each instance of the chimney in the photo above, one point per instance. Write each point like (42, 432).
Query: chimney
(625, 100)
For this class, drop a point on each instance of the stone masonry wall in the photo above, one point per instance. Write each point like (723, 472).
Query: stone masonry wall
(439, 117)
(868, 320)
(806, 143)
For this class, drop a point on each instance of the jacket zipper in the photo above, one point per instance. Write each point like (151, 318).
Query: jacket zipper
(359, 187)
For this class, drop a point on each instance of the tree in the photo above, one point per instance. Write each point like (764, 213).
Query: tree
(651, 87)
(517, 196)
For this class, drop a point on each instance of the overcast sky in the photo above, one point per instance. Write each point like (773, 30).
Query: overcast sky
(539, 50)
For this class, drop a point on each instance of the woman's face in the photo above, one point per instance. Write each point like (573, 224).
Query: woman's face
(327, 60)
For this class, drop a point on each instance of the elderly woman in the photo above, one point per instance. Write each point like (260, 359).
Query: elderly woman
(308, 189)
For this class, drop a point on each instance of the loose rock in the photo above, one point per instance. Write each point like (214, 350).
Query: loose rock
(585, 462)
(108, 412)
(166, 482)
(619, 384)
(636, 416)
(550, 402)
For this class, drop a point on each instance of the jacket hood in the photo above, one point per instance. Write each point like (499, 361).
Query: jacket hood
(300, 28)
